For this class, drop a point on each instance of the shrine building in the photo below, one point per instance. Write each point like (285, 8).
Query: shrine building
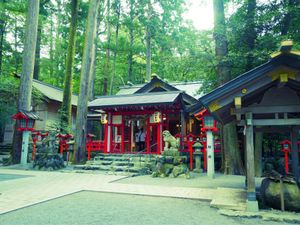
(153, 107)
(265, 99)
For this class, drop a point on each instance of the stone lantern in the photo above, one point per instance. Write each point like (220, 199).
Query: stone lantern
(197, 155)
(25, 123)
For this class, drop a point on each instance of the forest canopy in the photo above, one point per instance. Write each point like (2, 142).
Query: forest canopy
(179, 52)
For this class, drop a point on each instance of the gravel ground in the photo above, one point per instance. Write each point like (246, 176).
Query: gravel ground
(87, 208)
(197, 181)
(4, 177)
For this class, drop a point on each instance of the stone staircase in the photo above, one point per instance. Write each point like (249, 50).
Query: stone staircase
(131, 163)
(5, 150)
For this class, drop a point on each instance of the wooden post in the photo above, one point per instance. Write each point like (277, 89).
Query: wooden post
(258, 153)
(210, 154)
(183, 134)
(252, 204)
(295, 154)
(24, 153)
(105, 137)
(132, 136)
(148, 136)
(123, 135)
(158, 138)
(109, 123)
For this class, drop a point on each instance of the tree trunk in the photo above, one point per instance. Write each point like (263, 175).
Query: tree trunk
(130, 56)
(16, 46)
(250, 33)
(93, 73)
(66, 108)
(290, 5)
(131, 39)
(148, 43)
(81, 118)
(36, 70)
(148, 55)
(2, 34)
(118, 10)
(107, 62)
(258, 153)
(57, 52)
(233, 160)
(94, 64)
(25, 92)
(51, 52)
(221, 49)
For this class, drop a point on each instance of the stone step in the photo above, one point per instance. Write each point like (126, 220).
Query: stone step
(99, 162)
(122, 163)
(115, 158)
(98, 158)
(229, 198)
(92, 167)
(5, 148)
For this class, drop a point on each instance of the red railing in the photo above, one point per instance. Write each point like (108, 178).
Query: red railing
(186, 146)
(94, 146)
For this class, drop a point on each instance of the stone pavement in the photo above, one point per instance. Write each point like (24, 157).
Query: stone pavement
(42, 186)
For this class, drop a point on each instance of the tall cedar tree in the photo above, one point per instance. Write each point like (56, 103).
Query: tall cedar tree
(81, 117)
(2, 32)
(118, 12)
(148, 41)
(106, 73)
(66, 108)
(27, 70)
(250, 33)
(232, 162)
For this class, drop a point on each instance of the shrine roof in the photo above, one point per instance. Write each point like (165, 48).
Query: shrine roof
(190, 88)
(51, 92)
(252, 85)
(26, 114)
(143, 99)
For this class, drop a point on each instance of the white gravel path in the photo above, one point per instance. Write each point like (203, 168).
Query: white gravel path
(94, 208)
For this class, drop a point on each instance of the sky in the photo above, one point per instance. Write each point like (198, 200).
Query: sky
(200, 12)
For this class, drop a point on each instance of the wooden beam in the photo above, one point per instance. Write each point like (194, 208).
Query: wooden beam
(268, 109)
(273, 129)
(250, 88)
(272, 122)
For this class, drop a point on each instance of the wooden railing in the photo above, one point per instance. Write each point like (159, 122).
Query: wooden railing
(94, 146)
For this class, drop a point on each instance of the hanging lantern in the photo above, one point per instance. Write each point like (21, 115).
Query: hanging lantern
(208, 122)
(156, 117)
(103, 118)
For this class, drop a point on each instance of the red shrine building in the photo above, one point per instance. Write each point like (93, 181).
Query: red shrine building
(153, 107)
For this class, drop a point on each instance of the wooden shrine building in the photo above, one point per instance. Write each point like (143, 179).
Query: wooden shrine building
(264, 99)
(155, 106)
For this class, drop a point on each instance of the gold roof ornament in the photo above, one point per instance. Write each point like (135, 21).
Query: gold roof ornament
(285, 48)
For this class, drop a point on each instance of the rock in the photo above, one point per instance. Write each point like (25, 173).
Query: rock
(270, 194)
(48, 161)
(167, 164)
(181, 169)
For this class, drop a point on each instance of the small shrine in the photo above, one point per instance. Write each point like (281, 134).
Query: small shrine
(134, 123)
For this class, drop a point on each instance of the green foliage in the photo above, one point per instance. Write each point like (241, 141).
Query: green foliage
(179, 52)
(9, 90)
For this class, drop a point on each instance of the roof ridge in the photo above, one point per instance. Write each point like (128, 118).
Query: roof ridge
(51, 86)
(139, 94)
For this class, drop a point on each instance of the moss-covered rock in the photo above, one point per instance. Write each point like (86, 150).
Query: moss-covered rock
(270, 193)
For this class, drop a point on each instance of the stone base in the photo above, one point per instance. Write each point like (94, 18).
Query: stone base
(252, 206)
(198, 170)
